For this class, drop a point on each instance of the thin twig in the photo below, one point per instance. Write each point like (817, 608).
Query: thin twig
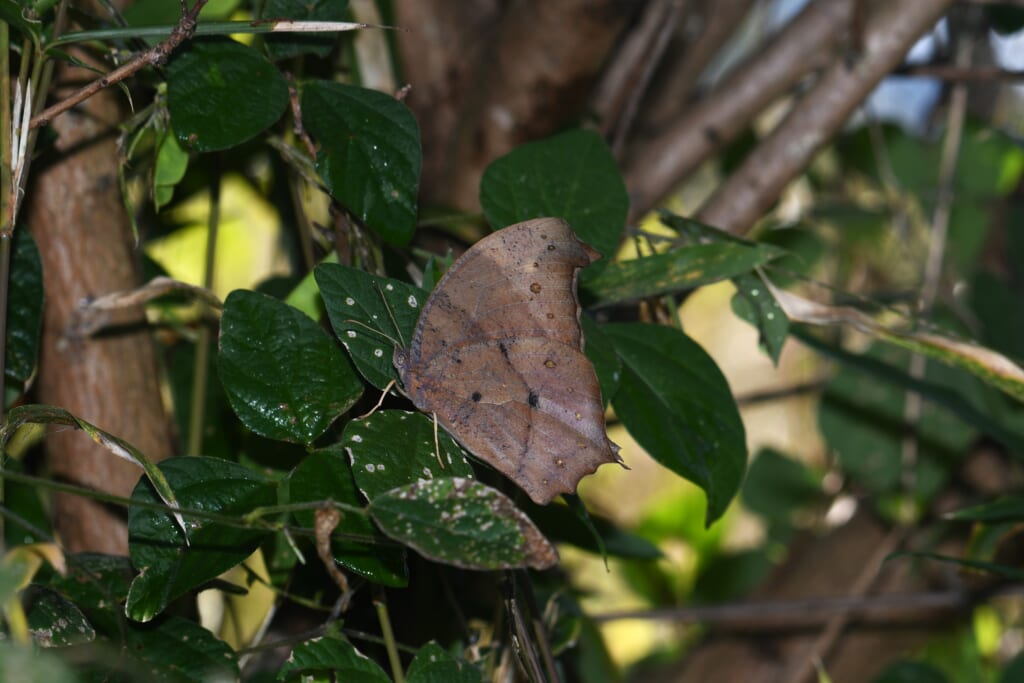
(936, 248)
(782, 615)
(957, 73)
(804, 667)
(155, 56)
(654, 56)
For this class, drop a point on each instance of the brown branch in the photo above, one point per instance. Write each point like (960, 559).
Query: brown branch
(782, 615)
(814, 120)
(155, 56)
(619, 81)
(716, 23)
(659, 163)
(956, 74)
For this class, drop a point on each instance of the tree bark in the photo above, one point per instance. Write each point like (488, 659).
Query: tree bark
(76, 216)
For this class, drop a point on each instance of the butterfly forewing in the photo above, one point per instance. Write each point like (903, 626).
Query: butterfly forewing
(497, 356)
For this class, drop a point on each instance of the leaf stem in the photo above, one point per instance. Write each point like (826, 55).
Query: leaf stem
(200, 371)
(380, 604)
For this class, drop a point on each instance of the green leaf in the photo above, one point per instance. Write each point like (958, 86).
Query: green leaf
(777, 486)
(95, 583)
(178, 650)
(601, 353)
(392, 448)
(28, 519)
(221, 93)
(171, 164)
(463, 523)
(432, 664)
(675, 402)
(364, 310)
(1010, 509)
(24, 312)
(168, 565)
(53, 620)
(19, 663)
(681, 269)
(571, 175)
(948, 394)
(284, 46)
(284, 376)
(331, 655)
(911, 672)
(862, 420)
(43, 414)
(562, 524)
(369, 154)
(325, 474)
(755, 303)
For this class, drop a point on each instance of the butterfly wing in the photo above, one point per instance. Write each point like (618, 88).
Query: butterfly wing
(497, 355)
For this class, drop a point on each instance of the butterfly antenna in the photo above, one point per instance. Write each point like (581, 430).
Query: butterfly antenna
(383, 394)
(374, 330)
(437, 444)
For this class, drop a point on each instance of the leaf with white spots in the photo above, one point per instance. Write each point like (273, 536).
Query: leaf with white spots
(463, 523)
(325, 475)
(755, 303)
(392, 448)
(433, 664)
(285, 378)
(330, 658)
(371, 316)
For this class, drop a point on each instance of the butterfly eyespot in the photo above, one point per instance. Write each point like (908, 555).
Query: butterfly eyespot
(476, 397)
(549, 363)
(559, 462)
(551, 316)
(533, 399)
(535, 288)
(578, 416)
(551, 247)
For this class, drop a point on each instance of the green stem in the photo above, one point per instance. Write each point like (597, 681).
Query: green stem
(205, 28)
(200, 372)
(224, 520)
(6, 224)
(380, 604)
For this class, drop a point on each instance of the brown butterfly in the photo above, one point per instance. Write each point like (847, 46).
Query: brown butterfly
(497, 356)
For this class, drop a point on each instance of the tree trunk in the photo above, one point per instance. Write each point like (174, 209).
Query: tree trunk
(76, 215)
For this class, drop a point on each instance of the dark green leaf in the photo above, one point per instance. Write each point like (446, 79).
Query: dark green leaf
(178, 650)
(19, 663)
(1013, 672)
(675, 402)
(53, 620)
(862, 421)
(756, 304)
(331, 655)
(392, 448)
(685, 268)
(282, 46)
(95, 583)
(369, 154)
(432, 664)
(30, 521)
(24, 312)
(563, 525)
(364, 310)
(911, 672)
(168, 566)
(602, 354)
(463, 523)
(326, 475)
(1009, 509)
(776, 486)
(221, 93)
(284, 376)
(572, 176)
